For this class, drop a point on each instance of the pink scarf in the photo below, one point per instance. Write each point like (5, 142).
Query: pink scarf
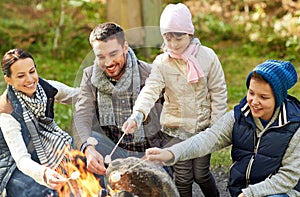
(194, 71)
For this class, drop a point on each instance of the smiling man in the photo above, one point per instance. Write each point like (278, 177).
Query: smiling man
(109, 89)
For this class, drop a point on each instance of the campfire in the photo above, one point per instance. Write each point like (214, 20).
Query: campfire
(130, 177)
(82, 183)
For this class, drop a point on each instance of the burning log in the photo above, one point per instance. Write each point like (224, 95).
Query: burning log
(140, 178)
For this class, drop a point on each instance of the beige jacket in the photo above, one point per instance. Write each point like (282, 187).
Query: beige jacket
(188, 108)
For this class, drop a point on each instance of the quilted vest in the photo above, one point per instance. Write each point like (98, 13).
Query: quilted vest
(7, 163)
(257, 158)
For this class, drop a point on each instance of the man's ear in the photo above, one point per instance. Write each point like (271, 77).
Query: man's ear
(125, 47)
(7, 79)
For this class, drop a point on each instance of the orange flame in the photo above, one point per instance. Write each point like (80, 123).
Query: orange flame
(86, 185)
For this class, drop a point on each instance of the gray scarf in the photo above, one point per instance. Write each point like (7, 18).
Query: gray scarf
(128, 84)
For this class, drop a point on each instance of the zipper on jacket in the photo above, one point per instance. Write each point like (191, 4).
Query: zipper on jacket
(249, 167)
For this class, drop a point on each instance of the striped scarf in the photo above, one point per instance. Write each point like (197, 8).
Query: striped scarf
(50, 141)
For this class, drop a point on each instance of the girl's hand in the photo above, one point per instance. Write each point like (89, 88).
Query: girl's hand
(159, 155)
(53, 179)
(129, 126)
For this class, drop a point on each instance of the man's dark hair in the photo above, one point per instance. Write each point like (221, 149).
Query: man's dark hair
(107, 31)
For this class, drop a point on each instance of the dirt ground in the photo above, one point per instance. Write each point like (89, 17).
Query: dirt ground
(221, 178)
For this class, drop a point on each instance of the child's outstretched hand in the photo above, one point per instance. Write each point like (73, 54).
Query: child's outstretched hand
(158, 155)
(129, 126)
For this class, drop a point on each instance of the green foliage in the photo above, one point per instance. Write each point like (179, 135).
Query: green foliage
(221, 159)
(207, 25)
(36, 30)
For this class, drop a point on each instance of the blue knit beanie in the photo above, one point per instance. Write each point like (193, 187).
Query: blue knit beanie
(280, 75)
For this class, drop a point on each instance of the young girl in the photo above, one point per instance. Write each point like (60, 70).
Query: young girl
(264, 131)
(194, 91)
(31, 142)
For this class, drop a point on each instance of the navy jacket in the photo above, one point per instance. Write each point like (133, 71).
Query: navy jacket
(257, 158)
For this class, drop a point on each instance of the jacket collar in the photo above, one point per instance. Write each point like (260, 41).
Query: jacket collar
(287, 111)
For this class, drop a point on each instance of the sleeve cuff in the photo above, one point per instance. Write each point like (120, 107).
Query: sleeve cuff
(138, 117)
(83, 147)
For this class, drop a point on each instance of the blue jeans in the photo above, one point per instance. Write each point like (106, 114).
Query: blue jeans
(278, 195)
(21, 185)
(105, 146)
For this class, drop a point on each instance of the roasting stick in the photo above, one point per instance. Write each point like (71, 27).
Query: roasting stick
(116, 176)
(135, 165)
(107, 158)
(75, 175)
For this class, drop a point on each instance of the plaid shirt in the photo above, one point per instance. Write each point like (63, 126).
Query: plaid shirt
(114, 133)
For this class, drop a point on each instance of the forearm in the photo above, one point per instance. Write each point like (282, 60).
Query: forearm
(205, 142)
(65, 94)
(32, 169)
(82, 123)
(150, 93)
(138, 117)
(218, 90)
(84, 114)
(11, 130)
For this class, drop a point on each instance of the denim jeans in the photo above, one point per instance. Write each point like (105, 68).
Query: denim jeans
(278, 195)
(106, 145)
(21, 185)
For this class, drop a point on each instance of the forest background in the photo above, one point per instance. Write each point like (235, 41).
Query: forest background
(242, 33)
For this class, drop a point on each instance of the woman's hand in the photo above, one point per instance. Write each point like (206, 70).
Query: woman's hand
(157, 155)
(53, 179)
(129, 126)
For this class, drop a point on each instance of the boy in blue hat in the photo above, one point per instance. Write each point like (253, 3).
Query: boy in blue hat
(263, 130)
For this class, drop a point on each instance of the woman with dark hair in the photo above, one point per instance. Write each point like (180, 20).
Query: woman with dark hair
(32, 146)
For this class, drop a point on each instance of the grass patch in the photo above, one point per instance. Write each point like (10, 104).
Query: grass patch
(221, 159)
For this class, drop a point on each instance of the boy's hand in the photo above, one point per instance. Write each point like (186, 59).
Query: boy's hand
(157, 155)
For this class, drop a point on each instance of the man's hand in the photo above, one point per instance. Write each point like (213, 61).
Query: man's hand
(5, 105)
(94, 160)
(129, 126)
